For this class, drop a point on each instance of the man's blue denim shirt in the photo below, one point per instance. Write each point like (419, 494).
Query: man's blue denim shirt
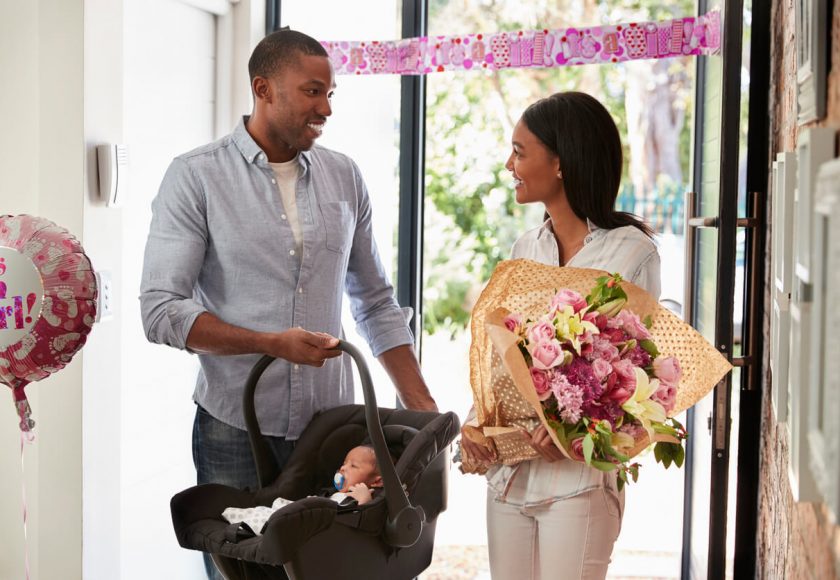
(220, 242)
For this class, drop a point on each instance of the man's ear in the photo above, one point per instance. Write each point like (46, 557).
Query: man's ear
(262, 89)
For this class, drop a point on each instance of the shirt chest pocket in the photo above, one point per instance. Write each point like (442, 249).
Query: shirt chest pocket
(338, 225)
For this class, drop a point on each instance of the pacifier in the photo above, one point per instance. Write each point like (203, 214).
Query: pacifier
(338, 480)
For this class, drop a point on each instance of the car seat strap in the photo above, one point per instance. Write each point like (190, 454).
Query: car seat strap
(236, 532)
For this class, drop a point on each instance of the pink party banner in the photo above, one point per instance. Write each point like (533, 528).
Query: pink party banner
(689, 36)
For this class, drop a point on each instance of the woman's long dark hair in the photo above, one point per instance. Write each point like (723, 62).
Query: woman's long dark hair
(581, 132)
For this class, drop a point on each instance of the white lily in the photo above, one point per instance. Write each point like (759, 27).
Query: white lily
(571, 326)
(641, 406)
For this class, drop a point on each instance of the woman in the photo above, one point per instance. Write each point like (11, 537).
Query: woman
(552, 517)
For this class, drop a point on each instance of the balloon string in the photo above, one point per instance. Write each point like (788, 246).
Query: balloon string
(24, 439)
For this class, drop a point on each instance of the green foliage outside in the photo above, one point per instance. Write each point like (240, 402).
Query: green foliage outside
(471, 217)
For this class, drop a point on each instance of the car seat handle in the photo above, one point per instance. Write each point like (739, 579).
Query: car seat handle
(405, 522)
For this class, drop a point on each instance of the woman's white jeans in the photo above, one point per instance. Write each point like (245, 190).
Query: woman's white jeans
(568, 539)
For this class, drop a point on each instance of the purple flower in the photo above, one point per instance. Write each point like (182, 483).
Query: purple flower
(569, 398)
(580, 373)
(639, 357)
(604, 409)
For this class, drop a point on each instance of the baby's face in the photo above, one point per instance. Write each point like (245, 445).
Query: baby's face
(359, 467)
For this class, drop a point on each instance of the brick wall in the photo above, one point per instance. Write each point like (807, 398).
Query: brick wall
(795, 539)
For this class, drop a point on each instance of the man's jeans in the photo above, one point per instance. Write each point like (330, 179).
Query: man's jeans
(222, 454)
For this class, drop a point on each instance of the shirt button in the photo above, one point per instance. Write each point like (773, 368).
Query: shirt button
(300, 290)
(283, 216)
(273, 181)
(297, 367)
(291, 252)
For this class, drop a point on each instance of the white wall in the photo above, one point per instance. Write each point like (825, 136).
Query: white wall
(61, 72)
(102, 369)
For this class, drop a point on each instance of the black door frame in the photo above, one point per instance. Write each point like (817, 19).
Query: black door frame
(752, 344)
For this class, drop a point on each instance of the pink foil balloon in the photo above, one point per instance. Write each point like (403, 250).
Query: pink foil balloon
(47, 302)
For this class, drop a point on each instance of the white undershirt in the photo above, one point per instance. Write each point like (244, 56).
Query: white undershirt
(287, 175)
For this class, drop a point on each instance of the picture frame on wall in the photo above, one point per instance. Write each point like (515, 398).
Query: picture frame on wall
(812, 22)
(824, 387)
(784, 186)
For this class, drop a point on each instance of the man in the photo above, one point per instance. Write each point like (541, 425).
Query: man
(253, 238)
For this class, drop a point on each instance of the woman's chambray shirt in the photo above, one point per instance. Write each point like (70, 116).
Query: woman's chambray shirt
(632, 254)
(221, 242)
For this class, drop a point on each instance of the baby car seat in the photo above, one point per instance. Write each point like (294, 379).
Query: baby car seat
(389, 538)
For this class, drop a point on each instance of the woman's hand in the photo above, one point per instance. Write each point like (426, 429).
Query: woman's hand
(360, 493)
(476, 452)
(543, 444)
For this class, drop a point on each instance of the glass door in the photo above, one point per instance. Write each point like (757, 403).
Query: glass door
(471, 220)
(366, 112)
(714, 292)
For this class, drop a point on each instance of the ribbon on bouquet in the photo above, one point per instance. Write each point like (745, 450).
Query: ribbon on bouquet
(688, 36)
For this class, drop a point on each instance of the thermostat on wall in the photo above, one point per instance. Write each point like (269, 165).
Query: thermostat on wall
(113, 164)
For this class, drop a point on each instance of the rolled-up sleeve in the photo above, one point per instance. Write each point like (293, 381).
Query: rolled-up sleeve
(379, 318)
(173, 258)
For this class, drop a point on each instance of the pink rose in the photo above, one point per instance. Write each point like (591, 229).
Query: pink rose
(513, 322)
(666, 395)
(541, 332)
(546, 355)
(626, 373)
(541, 383)
(632, 325)
(667, 370)
(576, 449)
(602, 348)
(568, 297)
(601, 368)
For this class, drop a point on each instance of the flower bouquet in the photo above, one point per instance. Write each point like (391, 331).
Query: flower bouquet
(598, 362)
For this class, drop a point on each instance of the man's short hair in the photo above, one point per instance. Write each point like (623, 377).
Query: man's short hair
(279, 49)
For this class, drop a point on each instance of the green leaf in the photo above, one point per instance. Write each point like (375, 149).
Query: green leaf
(611, 451)
(603, 428)
(679, 456)
(650, 347)
(588, 447)
(648, 321)
(603, 465)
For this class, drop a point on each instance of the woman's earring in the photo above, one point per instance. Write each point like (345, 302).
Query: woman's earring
(559, 175)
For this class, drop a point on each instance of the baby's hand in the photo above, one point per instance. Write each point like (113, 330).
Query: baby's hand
(360, 493)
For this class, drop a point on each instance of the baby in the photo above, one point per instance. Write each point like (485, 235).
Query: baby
(355, 481)
(358, 475)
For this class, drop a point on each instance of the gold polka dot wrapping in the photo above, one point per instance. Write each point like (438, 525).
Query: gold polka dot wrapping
(503, 407)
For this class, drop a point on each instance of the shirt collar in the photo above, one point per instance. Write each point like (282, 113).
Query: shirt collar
(547, 232)
(251, 151)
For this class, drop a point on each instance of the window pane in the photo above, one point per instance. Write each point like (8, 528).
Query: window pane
(365, 126)
(472, 219)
